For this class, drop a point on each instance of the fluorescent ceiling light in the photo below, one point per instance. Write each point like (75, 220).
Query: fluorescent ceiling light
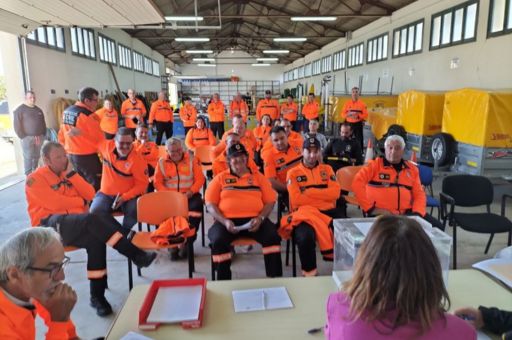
(199, 51)
(261, 64)
(289, 39)
(313, 18)
(192, 39)
(267, 59)
(206, 65)
(183, 18)
(276, 51)
(203, 59)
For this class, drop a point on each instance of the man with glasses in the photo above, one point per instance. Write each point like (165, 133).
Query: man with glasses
(58, 198)
(31, 283)
(124, 178)
(80, 133)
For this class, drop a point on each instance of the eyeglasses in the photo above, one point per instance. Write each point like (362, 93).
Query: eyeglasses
(54, 270)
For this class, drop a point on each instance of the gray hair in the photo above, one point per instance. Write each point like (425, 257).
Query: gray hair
(21, 250)
(174, 140)
(395, 138)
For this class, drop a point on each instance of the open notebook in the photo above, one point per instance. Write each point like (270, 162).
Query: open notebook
(251, 300)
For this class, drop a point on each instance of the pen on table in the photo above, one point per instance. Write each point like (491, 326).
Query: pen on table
(315, 330)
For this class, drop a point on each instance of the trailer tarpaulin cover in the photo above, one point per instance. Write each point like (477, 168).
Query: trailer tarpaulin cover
(420, 113)
(380, 120)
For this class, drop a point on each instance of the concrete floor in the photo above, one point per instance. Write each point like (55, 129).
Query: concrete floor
(13, 217)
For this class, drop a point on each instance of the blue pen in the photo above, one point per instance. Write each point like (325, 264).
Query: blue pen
(466, 317)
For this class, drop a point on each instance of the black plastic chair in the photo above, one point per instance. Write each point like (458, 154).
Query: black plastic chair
(472, 191)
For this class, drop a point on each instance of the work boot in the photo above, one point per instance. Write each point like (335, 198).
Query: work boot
(103, 308)
(174, 254)
(144, 259)
(183, 252)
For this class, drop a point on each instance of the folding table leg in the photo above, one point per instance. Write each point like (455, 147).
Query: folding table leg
(294, 260)
(190, 252)
(130, 276)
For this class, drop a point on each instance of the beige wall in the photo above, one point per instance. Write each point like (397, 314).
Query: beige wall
(485, 63)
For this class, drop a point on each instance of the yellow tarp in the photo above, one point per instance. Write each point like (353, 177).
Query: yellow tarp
(372, 102)
(380, 120)
(420, 113)
(479, 117)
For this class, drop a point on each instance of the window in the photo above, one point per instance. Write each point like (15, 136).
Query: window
(295, 73)
(317, 65)
(500, 18)
(138, 62)
(377, 48)
(125, 57)
(327, 64)
(355, 55)
(408, 39)
(52, 37)
(107, 49)
(456, 25)
(148, 65)
(156, 68)
(307, 70)
(339, 60)
(82, 42)
(301, 71)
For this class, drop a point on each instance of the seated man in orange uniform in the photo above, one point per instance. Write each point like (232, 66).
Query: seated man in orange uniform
(238, 198)
(313, 191)
(148, 150)
(58, 198)
(31, 283)
(124, 178)
(246, 137)
(179, 171)
(221, 162)
(294, 138)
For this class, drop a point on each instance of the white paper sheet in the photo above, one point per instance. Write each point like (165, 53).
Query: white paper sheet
(135, 336)
(364, 227)
(498, 268)
(250, 300)
(176, 304)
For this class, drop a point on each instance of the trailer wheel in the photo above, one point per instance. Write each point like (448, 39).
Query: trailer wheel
(443, 148)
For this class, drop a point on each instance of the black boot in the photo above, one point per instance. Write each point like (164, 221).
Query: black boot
(98, 301)
(139, 257)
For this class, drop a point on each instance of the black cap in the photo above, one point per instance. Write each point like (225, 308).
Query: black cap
(237, 150)
(268, 92)
(309, 142)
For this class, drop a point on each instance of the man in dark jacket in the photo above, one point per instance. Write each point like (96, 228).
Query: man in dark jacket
(490, 318)
(343, 151)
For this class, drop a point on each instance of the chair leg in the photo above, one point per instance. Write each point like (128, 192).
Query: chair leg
(454, 246)
(130, 275)
(191, 264)
(202, 228)
(294, 259)
(139, 272)
(489, 244)
(287, 258)
(212, 267)
(510, 238)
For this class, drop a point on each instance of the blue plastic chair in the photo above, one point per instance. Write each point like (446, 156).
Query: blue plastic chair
(426, 178)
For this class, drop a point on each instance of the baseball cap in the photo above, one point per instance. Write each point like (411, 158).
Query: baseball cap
(268, 92)
(311, 142)
(237, 149)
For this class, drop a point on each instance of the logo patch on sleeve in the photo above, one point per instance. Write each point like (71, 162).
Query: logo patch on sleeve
(30, 181)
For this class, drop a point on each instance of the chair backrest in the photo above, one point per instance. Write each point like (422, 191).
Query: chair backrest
(468, 190)
(162, 151)
(155, 207)
(204, 154)
(346, 175)
(426, 176)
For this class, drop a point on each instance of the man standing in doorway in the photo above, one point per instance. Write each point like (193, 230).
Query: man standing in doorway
(354, 112)
(30, 128)
(163, 115)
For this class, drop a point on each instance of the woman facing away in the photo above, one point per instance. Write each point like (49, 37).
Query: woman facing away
(397, 290)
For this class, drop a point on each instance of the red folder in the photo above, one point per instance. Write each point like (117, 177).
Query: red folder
(150, 298)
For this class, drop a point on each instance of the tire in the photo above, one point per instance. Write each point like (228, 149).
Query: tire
(443, 148)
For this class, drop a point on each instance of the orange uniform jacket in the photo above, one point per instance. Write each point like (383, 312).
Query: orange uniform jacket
(311, 110)
(19, 322)
(354, 111)
(136, 109)
(261, 133)
(108, 120)
(277, 163)
(148, 151)
(186, 175)
(161, 111)
(216, 111)
(239, 108)
(86, 143)
(290, 111)
(379, 185)
(248, 140)
(267, 107)
(128, 177)
(50, 194)
(315, 187)
(318, 221)
(198, 137)
(294, 139)
(240, 197)
(220, 164)
(188, 115)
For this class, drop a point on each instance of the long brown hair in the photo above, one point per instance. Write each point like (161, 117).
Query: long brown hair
(397, 270)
